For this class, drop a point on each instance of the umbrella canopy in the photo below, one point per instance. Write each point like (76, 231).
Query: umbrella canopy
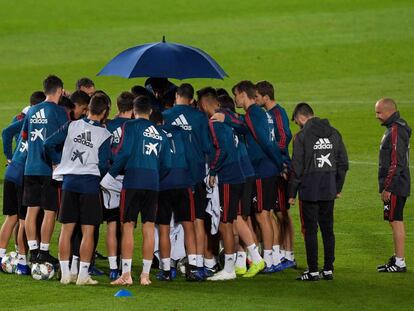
(163, 60)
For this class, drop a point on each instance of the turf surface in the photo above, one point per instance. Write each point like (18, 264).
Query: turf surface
(340, 56)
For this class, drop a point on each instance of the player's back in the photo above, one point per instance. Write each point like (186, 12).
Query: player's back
(139, 153)
(41, 122)
(182, 157)
(196, 123)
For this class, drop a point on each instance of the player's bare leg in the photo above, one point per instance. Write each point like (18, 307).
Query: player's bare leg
(65, 252)
(31, 230)
(147, 251)
(265, 224)
(86, 251)
(127, 249)
(398, 231)
(7, 230)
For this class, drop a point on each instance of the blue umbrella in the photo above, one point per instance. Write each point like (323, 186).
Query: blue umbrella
(163, 60)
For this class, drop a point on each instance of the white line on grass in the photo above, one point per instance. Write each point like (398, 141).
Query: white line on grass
(370, 163)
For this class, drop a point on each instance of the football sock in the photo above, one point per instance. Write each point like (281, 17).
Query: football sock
(22, 259)
(126, 265)
(64, 268)
(276, 254)
(192, 260)
(267, 256)
(44, 247)
(199, 261)
(229, 263)
(254, 252)
(282, 253)
(74, 266)
(83, 270)
(32, 245)
(166, 264)
(400, 262)
(290, 255)
(210, 263)
(2, 252)
(146, 266)
(241, 260)
(113, 262)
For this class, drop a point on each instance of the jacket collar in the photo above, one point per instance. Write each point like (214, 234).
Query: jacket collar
(394, 117)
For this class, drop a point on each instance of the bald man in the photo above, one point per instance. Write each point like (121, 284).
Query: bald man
(394, 177)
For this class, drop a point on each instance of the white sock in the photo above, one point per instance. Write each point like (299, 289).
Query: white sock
(126, 265)
(83, 270)
(22, 259)
(192, 260)
(64, 268)
(74, 266)
(276, 254)
(113, 262)
(254, 252)
(282, 253)
(166, 264)
(2, 252)
(32, 245)
(229, 263)
(267, 256)
(400, 262)
(199, 261)
(290, 255)
(241, 260)
(210, 263)
(146, 266)
(44, 247)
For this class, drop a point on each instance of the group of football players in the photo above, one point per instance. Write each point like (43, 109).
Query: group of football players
(169, 154)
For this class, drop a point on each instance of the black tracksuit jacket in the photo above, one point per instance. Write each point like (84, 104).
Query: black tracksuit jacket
(394, 171)
(319, 162)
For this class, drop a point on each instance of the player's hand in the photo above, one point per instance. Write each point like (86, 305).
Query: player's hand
(218, 117)
(292, 201)
(385, 196)
(8, 161)
(212, 181)
(338, 195)
(54, 166)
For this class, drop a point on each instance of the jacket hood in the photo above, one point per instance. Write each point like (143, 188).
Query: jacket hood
(319, 127)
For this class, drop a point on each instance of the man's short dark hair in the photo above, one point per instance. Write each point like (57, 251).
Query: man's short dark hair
(37, 97)
(186, 90)
(156, 117)
(65, 102)
(266, 88)
(247, 87)
(138, 90)
(207, 92)
(125, 102)
(100, 92)
(142, 105)
(84, 82)
(226, 102)
(80, 98)
(51, 84)
(221, 91)
(98, 104)
(302, 109)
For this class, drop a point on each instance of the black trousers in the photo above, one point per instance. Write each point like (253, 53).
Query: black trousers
(313, 214)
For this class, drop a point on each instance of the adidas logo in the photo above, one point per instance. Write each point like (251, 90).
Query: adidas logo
(39, 117)
(116, 135)
(181, 121)
(323, 143)
(84, 139)
(152, 133)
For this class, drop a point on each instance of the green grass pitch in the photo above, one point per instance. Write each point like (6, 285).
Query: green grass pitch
(339, 55)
